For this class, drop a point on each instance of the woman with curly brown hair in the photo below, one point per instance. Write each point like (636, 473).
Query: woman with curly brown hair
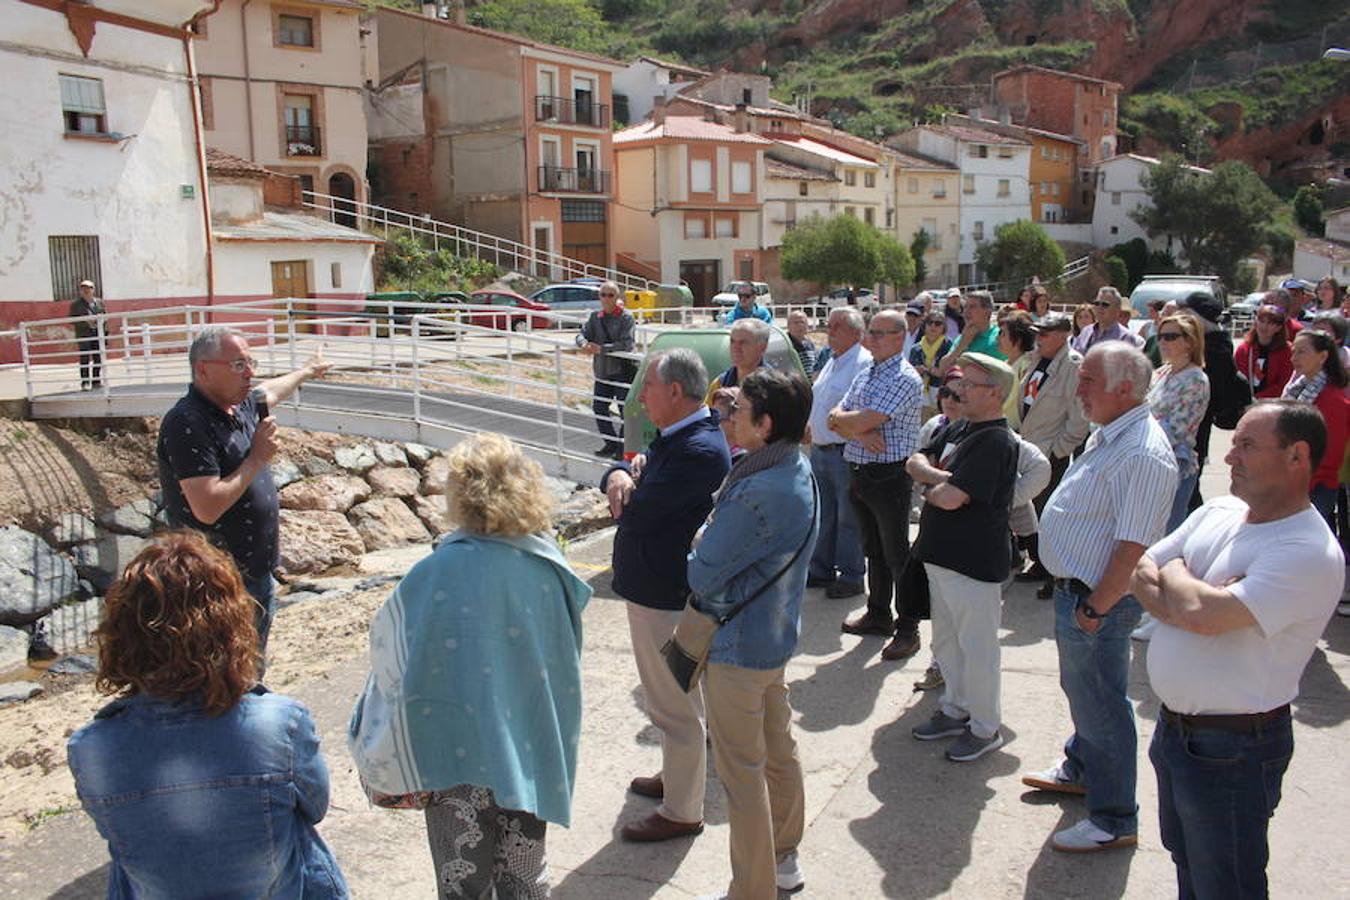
(202, 782)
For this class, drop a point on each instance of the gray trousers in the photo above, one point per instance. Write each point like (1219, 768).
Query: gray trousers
(482, 851)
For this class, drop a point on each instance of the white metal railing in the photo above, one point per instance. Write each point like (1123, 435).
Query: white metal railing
(466, 242)
(1075, 269)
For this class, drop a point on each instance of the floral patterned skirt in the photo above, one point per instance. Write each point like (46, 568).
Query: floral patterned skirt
(478, 847)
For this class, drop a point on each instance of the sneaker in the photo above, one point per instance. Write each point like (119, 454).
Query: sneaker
(969, 747)
(789, 874)
(1053, 779)
(1088, 838)
(932, 679)
(1343, 608)
(1144, 630)
(940, 725)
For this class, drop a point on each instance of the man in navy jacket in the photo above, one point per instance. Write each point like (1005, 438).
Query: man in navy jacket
(659, 502)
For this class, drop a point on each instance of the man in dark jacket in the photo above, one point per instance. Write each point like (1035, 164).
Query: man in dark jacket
(659, 502)
(609, 330)
(86, 336)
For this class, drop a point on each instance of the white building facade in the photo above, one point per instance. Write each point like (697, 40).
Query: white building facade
(1120, 191)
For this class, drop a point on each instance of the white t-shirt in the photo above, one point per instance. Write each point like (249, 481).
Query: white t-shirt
(1291, 575)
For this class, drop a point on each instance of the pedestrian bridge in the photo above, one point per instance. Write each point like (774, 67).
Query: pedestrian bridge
(424, 374)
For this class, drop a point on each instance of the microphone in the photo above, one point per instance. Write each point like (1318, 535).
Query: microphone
(260, 400)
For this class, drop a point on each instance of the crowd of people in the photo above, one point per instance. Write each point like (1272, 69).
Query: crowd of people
(1033, 449)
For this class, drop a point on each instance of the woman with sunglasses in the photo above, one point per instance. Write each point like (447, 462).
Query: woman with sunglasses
(1178, 399)
(932, 345)
(1263, 358)
(1319, 379)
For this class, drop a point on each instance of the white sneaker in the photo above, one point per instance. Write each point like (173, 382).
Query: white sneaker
(1055, 780)
(1088, 838)
(1144, 630)
(789, 874)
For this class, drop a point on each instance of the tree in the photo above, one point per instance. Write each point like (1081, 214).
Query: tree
(1218, 217)
(576, 24)
(897, 266)
(1308, 209)
(1134, 253)
(1019, 251)
(832, 252)
(918, 249)
(1118, 274)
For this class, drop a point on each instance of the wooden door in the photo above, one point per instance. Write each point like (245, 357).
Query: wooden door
(290, 279)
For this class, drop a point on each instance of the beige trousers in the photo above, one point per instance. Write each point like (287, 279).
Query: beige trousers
(966, 616)
(677, 715)
(756, 758)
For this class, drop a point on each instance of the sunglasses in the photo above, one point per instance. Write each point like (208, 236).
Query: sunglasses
(1102, 304)
(1169, 335)
(947, 394)
(608, 294)
(882, 332)
(238, 366)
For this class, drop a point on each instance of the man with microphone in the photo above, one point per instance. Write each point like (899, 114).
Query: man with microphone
(213, 451)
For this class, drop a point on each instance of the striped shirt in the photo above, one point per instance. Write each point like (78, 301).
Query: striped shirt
(1120, 489)
(893, 388)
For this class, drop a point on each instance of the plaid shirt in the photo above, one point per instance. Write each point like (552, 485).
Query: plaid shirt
(893, 388)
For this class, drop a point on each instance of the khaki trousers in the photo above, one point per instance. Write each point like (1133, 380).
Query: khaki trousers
(966, 616)
(677, 715)
(756, 758)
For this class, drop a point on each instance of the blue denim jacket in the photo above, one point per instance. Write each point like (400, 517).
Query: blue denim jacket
(756, 526)
(199, 806)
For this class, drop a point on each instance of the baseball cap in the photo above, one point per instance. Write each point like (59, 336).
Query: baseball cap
(86, 283)
(914, 309)
(1052, 322)
(998, 371)
(953, 292)
(1295, 284)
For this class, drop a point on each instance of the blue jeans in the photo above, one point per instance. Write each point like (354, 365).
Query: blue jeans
(1094, 672)
(838, 547)
(1216, 793)
(1181, 501)
(263, 591)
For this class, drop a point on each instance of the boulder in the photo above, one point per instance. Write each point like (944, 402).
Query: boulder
(390, 454)
(77, 664)
(335, 493)
(104, 560)
(13, 648)
(419, 454)
(73, 528)
(561, 489)
(71, 627)
(315, 540)
(390, 482)
(433, 513)
(33, 577)
(317, 465)
(435, 475)
(136, 518)
(18, 691)
(387, 522)
(285, 472)
(585, 512)
(359, 458)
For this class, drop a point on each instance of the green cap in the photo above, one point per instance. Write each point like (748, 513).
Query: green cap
(999, 372)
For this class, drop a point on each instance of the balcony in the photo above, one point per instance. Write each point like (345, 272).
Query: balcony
(303, 140)
(570, 112)
(573, 181)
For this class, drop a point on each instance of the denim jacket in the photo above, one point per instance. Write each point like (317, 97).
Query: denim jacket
(198, 806)
(755, 528)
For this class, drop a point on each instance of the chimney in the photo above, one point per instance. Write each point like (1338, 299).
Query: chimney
(659, 110)
(741, 119)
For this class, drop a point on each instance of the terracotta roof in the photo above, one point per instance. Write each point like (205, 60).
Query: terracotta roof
(915, 161)
(1321, 247)
(777, 168)
(975, 135)
(994, 125)
(500, 35)
(218, 162)
(686, 128)
(1074, 75)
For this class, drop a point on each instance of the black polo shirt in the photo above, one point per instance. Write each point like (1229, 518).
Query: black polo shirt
(196, 438)
(973, 539)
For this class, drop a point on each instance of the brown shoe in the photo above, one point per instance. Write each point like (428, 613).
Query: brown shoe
(904, 645)
(657, 827)
(648, 786)
(868, 624)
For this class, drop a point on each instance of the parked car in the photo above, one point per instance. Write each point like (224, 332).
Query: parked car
(1248, 304)
(1174, 287)
(514, 311)
(393, 310)
(569, 297)
(863, 298)
(727, 297)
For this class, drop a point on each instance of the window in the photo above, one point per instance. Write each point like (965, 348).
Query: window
(302, 135)
(850, 177)
(851, 211)
(583, 211)
(740, 178)
(1045, 151)
(335, 274)
(1054, 188)
(869, 215)
(978, 233)
(979, 151)
(1115, 198)
(695, 227)
(775, 124)
(82, 105)
(295, 31)
(583, 100)
(1004, 187)
(204, 97)
(890, 219)
(934, 236)
(1106, 118)
(802, 188)
(939, 187)
(1005, 153)
(1045, 188)
(74, 258)
(700, 176)
(1115, 229)
(967, 184)
(913, 185)
(724, 226)
(869, 179)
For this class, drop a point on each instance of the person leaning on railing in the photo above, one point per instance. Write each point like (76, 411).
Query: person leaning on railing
(86, 335)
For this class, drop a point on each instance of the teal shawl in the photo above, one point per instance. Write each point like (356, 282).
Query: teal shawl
(476, 676)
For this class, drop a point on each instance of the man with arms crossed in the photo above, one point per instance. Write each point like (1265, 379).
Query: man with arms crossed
(1110, 506)
(1241, 592)
(659, 503)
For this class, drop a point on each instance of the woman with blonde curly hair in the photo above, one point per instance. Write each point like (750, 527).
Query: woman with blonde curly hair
(472, 710)
(202, 782)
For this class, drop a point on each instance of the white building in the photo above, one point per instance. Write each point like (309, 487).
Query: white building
(645, 79)
(852, 185)
(1120, 191)
(994, 181)
(1316, 258)
(101, 173)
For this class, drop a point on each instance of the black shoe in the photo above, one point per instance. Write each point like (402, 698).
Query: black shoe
(1037, 572)
(841, 590)
(605, 451)
(1045, 591)
(818, 581)
(868, 624)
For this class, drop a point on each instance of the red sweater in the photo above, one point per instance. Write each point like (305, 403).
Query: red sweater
(1279, 369)
(1335, 410)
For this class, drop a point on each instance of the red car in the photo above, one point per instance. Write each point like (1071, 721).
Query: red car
(514, 319)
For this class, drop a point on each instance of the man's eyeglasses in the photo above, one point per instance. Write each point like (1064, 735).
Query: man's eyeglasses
(882, 332)
(238, 366)
(1102, 304)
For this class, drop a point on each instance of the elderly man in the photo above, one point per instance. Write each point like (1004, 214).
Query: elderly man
(658, 514)
(837, 562)
(968, 492)
(879, 419)
(86, 335)
(1300, 297)
(980, 334)
(1110, 506)
(1242, 591)
(1107, 327)
(609, 330)
(746, 306)
(748, 340)
(1052, 418)
(213, 452)
(797, 327)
